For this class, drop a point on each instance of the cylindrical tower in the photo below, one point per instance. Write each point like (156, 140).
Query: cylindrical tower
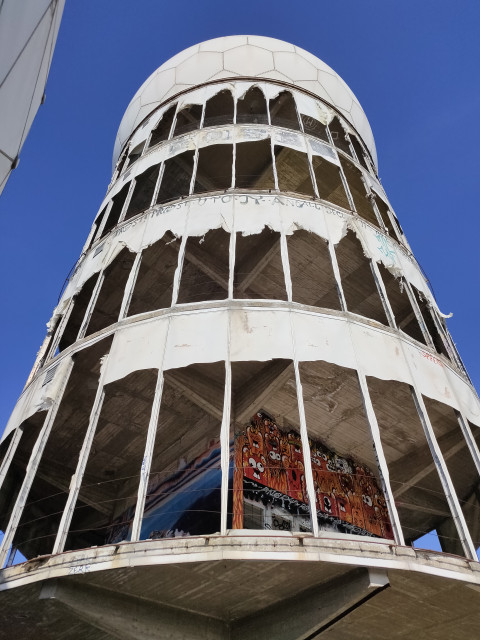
(248, 408)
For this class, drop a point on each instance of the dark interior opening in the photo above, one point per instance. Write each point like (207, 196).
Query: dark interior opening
(329, 182)
(219, 109)
(163, 128)
(293, 171)
(214, 168)
(253, 165)
(176, 178)
(358, 283)
(252, 107)
(142, 192)
(188, 119)
(258, 266)
(283, 111)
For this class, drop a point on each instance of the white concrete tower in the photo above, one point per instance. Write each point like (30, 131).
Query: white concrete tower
(248, 407)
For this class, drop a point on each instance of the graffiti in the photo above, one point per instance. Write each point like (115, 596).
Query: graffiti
(347, 496)
(429, 356)
(385, 247)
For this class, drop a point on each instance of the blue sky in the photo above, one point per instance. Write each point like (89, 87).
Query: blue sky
(413, 66)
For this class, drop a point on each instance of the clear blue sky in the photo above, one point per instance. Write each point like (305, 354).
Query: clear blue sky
(413, 65)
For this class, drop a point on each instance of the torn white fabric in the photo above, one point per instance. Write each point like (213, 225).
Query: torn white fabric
(308, 106)
(248, 214)
(136, 347)
(262, 333)
(318, 148)
(38, 396)
(289, 139)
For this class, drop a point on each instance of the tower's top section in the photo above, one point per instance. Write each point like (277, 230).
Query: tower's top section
(244, 57)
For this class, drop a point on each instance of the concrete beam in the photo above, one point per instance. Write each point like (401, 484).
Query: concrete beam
(256, 261)
(206, 395)
(412, 467)
(253, 393)
(305, 616)
(131, 618)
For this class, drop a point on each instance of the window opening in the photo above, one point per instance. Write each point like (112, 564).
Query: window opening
(358, 150)
(162, 130)
(135, 153)
(214, 168)
(176, 178)
(403, 311)
(106, 502)
(358, 283)
(116, 209)
(338, 136)
(357, 188)
(348, 488)
(293, 171)
(430, 323)
(461, 468)
(267, 472)
(383, 209)
(205, 267)
(313, 280)
(253, 165)
(80, 304)
(418, 493)
(219, 109)
(109, 301)
(48, 494)
(184, 487)
(258, 266)
(142, 192)
(329, 182)
(16, 471)
(252, 108)
(314, 127)
(283, 111)
(154, 283)
(188, 119)
(122, 160)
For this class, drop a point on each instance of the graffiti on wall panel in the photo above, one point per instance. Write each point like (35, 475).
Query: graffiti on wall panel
(270, 471)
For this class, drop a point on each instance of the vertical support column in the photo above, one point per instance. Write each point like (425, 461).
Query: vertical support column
(381, 460)
(225, 443)
(178, 272)
(12, 448)
(60, 329)
(445, 479)
(157, 184)
(342, 174)
(418, 314)
(76, 480)
(307, 457)
(336, 273)
(104, 221)
(286, 265)
(373, 202)
(147, 458)
(127, 201)
(470, 440)
(383, 294)
(91, 306)
(231, 260)
(32, 468)
(132, 279)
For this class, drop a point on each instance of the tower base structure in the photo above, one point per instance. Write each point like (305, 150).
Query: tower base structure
(248, 412)
(215, 587)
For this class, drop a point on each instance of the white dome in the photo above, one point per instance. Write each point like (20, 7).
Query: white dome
(243, 56)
